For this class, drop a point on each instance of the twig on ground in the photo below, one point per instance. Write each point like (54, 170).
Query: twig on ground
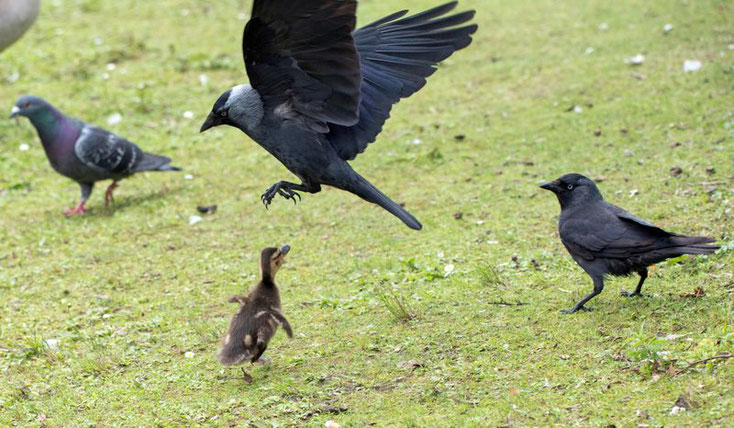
(705, 360)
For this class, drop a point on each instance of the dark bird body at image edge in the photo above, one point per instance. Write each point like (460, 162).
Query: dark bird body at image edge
(607, 240)
(320, 91)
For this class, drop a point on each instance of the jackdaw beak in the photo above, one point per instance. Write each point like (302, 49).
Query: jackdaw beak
(211, 121)
(14, 112)
(553, 186)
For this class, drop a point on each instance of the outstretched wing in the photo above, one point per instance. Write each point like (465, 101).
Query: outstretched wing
(105, 152)
(300, 56)
(397, 55)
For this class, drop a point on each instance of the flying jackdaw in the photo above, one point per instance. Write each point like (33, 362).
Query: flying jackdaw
(83, 152)
(607, 240)
(320, 91)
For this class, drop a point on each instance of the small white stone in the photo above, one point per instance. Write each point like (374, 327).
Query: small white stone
(189, 354)
(24, 147)
(628, 153)
(204, 79)
(114, 119)
(97, 41)
(635, 60)
(188, 114)
(194, 219)
(241, 16)
(675, 410)
(105, 76)
(589, 51)
(634, 192)
(185, 12)
(188, 177)
(578, 109)
(667, 28)
(690, 65)
(480, 222)
(439, 253)
(111, 66)
(603, 26)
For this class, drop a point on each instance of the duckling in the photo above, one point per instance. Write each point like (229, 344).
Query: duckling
(256, 321)
(16, 16)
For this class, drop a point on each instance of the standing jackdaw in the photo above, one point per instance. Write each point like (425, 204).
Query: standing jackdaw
(607, 240)
(320, 91)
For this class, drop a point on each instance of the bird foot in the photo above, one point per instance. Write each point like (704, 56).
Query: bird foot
(78, 210)
(281, 189)
(574, 310)
(246, 376)
(632, 294)
(108, 197)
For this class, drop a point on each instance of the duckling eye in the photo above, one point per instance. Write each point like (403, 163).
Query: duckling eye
(570, 187)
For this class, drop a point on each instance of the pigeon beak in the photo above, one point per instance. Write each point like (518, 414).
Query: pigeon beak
(15, 111)
(211, 121)
(553, 186)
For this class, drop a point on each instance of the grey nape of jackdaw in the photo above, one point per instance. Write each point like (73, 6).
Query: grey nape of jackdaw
(607, 240)
(320, 91)
(83, 152)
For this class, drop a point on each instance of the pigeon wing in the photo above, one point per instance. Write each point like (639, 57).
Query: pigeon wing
(300, 57)
(106, 152)
(396, 57)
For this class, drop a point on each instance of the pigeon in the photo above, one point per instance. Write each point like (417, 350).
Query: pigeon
(16, 17)
(320, 91)
(607, 240)
(83, 152)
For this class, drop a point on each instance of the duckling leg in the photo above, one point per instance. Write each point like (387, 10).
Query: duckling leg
(261, 347)
(238, 299)
(246, 376)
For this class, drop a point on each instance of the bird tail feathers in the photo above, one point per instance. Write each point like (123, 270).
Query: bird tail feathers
(365, 190)
(153, 162)
(694, 244)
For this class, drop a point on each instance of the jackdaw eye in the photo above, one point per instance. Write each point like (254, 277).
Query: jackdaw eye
(570, 187)
(223, 114)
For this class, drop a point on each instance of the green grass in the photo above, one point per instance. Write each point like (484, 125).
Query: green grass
(137, 298)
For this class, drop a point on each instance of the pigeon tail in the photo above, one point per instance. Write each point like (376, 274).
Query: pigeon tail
(152, 162)
(365, 190)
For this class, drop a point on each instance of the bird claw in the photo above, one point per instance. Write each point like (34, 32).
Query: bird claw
(574, 310)
(276, 189)
(632, 294)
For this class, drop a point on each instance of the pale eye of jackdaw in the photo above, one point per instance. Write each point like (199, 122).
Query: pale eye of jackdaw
(570, 187)
(223, 114)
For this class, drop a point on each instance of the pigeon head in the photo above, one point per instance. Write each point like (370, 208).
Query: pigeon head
(30, 107)
(271, 259)
(240, 107)
(572, 189)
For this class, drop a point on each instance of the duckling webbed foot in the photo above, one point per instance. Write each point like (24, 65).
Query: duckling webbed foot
(246, 376)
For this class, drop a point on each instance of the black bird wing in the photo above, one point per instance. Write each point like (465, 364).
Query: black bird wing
(300, 56)
(396, 57)
(607, 231)
(107, 153)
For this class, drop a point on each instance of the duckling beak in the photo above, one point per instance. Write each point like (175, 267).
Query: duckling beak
(284, 250)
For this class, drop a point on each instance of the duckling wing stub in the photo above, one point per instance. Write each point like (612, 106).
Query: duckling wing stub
(301, 59)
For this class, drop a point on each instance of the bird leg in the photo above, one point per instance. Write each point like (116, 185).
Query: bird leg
(288, 191)
(79, 209)
(108, 194)
(246, 376)
(638, 290)
(598, 287)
